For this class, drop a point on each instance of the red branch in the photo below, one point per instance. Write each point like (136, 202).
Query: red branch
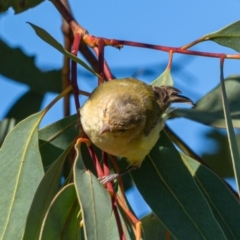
(107, 72)
(93, 41)
(96, 162)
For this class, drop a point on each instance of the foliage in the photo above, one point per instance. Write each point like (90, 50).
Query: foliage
(49, 187)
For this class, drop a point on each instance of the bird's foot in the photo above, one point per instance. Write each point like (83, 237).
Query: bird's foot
(106, 179)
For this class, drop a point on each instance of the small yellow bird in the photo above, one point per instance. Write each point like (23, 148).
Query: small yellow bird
(124, 117)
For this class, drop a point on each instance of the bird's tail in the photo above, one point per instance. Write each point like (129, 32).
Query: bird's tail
(166, 95)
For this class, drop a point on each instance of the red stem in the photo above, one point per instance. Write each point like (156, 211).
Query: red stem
(113, 198)
(168, 49)
(170, 60)
(107, 72)
(92, 41)
(96, 162)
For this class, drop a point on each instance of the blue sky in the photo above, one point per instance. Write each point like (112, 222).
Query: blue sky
(170, 23)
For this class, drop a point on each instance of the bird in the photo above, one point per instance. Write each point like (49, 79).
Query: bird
(124, 117)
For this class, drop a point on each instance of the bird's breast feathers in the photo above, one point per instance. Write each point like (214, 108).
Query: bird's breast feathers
(120, 143)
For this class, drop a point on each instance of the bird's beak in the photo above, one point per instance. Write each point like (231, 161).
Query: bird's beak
(105, 129)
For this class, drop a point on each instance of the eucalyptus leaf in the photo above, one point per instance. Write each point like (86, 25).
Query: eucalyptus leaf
(88, 162)
(173, 195)
(95, 202)
(230, 131)
(228, 36)
(55, 138)
(62, 220)
(21, 171)
(225, 206)
(45, 36)
(209, 109)
(45, 193)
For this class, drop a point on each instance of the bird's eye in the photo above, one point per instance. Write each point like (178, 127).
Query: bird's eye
(156, 93)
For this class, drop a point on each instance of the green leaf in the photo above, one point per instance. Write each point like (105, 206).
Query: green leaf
(228, 36)
(172, 194)
(32, 100)
(209, 109)
(88, 162)
(6, 126)
(45, 36)
(224, 204)
(62, 220)
(164, 79)
(18, 6)
(55, 138)
(24, 70)
(21, 171)
(45, 193)
(95, 202)
(230, 131)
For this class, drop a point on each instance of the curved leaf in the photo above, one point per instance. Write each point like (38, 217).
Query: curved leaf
(225, 206)
(228, 36)
(21, 171)
(62, 219)
(45, 193)
(95, 204)
(230, 131)
(45, 36)
(55, 138)
(24, 70)
(209, 108)
(172, 194)
(88, 162)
